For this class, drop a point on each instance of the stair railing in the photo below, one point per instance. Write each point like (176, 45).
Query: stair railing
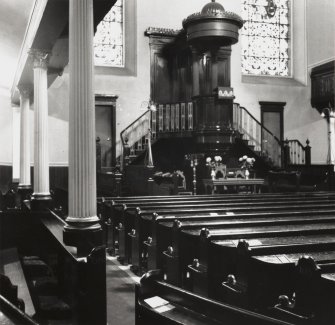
(265, 143)
(134, 138)
(296, 153)
(167, 118)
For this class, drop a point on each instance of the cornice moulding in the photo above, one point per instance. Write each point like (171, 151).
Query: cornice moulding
(30, 34)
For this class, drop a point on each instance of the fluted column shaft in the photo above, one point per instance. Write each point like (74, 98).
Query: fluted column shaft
(25, 180)
(332, 139)
(82, 163)
(41, 148)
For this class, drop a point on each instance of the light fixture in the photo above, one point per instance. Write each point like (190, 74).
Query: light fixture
(152, 106)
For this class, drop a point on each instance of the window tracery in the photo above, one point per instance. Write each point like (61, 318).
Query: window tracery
(266, 37)
(109, 38)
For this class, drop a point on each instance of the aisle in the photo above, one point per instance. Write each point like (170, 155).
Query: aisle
(120, 285)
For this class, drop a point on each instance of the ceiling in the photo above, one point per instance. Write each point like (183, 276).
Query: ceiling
(14, 15)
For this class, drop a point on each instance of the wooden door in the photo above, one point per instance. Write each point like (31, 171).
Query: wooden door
(272, 120)
(105, 128)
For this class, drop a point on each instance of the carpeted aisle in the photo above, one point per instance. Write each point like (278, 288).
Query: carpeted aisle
(120, 293)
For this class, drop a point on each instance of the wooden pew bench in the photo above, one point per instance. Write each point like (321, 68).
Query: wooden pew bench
(165, 230)
(112, 210)
(189, 246)
(263, 269)
(137, 222)
(184, 307)
(314, 295)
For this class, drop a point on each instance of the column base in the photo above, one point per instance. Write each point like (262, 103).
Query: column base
(40, 202)
(83, 235)
(23, 193)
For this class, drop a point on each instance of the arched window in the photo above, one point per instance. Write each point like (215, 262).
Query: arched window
(109, 38)
(266, 38)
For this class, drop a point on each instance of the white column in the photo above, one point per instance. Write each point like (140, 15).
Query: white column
(16, 144)
(25, 181)
(82, 161)
(41, 150)
(332, 138)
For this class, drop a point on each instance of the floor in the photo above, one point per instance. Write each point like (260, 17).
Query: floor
(120, 293)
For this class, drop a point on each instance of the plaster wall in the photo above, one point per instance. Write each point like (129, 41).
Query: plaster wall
(300, 120)
(311, 19)
(6, 126)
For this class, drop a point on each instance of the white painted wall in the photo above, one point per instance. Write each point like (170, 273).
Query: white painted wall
(301, 121)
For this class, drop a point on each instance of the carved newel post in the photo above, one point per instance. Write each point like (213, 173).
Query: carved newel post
(41, 198)
(83, 229)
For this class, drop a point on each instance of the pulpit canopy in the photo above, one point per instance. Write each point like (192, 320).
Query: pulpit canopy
(212, 27)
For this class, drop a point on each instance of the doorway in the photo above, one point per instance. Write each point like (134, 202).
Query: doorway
(272, 118)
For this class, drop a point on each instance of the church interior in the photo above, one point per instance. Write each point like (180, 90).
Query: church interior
(167, 162)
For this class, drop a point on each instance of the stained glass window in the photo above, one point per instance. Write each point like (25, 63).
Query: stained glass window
(266, 37)
(109, 38)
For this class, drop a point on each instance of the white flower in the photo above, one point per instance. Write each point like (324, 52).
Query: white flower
(208, 159)
(245, 157)
(241, 159)
(249, 160)
(217, 158)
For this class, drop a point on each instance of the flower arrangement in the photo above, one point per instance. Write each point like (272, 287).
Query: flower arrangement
(246, 162)
(213, 163)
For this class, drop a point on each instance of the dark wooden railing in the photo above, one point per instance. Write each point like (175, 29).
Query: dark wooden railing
(178, 118)
(11, 314)
(82, 279)
(167, 118)
(265, 143)
(297, 153)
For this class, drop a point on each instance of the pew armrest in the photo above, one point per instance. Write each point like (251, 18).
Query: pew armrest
(291, 315)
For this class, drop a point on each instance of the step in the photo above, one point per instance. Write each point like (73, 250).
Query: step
(44, 285)
(10, 266)
(35, 267)
(52, 307)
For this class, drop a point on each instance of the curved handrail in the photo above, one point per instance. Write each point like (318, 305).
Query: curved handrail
(130, 125)
(261, 125)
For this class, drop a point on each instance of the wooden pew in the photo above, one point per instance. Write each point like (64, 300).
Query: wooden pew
(263, 267)
(166, 229)
(112, 210)
(137, 222)
(184, 307)
(189, 245)
(314, 294)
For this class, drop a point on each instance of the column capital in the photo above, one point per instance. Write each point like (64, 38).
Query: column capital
(40, 57)
(25, 90)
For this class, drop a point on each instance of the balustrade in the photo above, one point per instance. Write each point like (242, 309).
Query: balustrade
(263, 141)
(169, 118)
(297, 153)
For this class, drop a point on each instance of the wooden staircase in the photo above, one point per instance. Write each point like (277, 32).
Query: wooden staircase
(177, 121)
